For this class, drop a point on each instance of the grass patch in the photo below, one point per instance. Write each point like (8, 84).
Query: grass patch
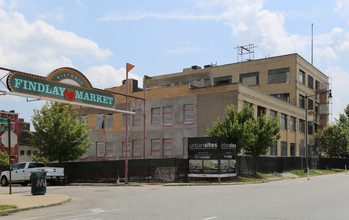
(312, 172)
(4, 207)
(253, 178)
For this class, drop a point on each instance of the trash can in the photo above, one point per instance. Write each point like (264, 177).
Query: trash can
(38, 183)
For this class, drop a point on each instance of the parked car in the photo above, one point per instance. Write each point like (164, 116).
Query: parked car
(20, 173)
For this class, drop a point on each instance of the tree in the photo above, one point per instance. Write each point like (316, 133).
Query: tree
(266, 132)
(333, 141)
(255, 135)
(4, 158)
(59, 135)
(236, 127)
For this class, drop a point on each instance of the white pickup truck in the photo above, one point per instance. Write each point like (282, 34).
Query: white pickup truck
(21, 173)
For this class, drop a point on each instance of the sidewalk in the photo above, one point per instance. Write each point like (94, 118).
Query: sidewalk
(28, 201)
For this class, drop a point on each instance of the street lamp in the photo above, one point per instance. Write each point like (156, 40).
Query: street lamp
(306, 124)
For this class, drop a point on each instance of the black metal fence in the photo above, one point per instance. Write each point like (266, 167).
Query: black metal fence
(173, 169)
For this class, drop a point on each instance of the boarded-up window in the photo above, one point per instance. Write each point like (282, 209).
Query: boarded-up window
(124, 116)
(168, 147)
(99, 121)
(109, 151)
(155, 116)
(124, 149)
(168, 116)
(137, 148)
(155, 147)
(109, 121)
(189, 114)
(84, 118)
(185, 146)
(249, 79)
(137, 118)
(100, 149)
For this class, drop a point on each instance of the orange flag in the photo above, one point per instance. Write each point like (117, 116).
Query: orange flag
(129, 67)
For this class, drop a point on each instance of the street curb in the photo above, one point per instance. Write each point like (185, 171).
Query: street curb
(9, 211)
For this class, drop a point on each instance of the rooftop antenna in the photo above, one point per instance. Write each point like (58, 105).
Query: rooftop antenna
(243, 50)
(312, 43)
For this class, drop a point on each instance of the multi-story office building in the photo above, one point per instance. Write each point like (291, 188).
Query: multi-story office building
(185, 104)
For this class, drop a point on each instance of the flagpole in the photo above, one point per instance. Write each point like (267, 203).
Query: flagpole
(126, 142)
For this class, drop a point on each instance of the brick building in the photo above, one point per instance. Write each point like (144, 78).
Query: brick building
(184, 104)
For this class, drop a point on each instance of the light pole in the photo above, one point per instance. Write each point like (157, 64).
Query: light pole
(306, 124)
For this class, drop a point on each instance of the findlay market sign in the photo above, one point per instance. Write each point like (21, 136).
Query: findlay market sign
(66, 84)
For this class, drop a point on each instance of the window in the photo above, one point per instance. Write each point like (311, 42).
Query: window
(284, 96)
(279, 75)
(168, 147)
(317, 85)
(249, 79)
(301, 101)
(155, 147)
(260, 111)
(274, 149)
(100, 149)
(310, 129)
(189, 114)
(185, 146)
(310, 82)
(293, 123)
(109, 121)
(137, 118)
(283, 121)
(137, 148)
(124, 149)
(176, 84)
(272, 113)
(184, 83)
(293, 149)
(12, 124)
(222, 80)
(21, 152)
(206, 82)
(198, 83)
(109, 152)
(301, 125)
(301, 148)
(168, 116)
(35, 152)
(29, 152)
(283, 148)
(310, 104)
(84, 118)
(301, 77)
(155, 116)
(99, 121)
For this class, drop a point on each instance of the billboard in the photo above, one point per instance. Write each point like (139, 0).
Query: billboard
(211, 157)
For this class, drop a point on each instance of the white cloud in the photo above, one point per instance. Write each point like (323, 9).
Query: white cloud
(342, 6)
(40, 47)
(106, 76)
(340, 79)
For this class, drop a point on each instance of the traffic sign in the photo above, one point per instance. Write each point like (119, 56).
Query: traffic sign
(4, 120)
(4, 139)
(3, 128)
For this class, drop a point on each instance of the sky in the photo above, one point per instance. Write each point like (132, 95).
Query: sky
(99, 37)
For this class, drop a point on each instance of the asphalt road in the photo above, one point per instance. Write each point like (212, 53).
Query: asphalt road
(322, 197)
